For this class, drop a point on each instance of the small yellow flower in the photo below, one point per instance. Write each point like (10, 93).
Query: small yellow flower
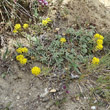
(95, 60)
(48, 19)
(101, 37)
(15, 31)
(44, 22)
(25, 50)
(99, 47)
(17, 27)
(25, 26)
(96, 35)
(22, 50)
(62, 40)
(99, 41)
(19, 50)
(23, 61)
(35, 70)
(19, 57)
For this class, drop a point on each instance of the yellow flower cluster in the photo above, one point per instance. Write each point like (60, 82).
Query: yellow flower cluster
(99, 39)
(21, 59)
(35, 71)
(62, 40)
(98, 36)
(17, 27)
(22, 50)
(46, 21)
(95, 60)
(25, 26)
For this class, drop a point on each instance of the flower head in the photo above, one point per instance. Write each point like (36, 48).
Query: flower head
(17, 27)
(44, 22)
(23, 61)
(22, 50)
(98, 36)
(19, 57)
(48, 19)
(15, 31)
(25, 50)
(99, 41)
(35, 70)
(62, 40)
(101, 37)
(99, 47)
(19, 50)
(43, 2)
(95, 60)
(25, 26)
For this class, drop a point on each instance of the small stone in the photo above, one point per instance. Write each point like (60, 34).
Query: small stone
(18, 97)
(6, 98)
(11, 59)
(93, 107)
(57, 29)
(85, 97)
(29, 93)
(95, 101)
(53, 90)
(74, 76)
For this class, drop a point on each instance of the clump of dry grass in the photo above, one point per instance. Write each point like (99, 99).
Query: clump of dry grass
(11, 12)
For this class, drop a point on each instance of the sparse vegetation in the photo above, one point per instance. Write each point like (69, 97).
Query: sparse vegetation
(54, 54)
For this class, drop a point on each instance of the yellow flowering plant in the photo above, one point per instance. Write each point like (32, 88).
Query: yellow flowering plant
(36, 71)
(19, 50)
(95, 60)
(23, 61)
(99, 40)
(17, 27)
(22, 50)
(98, 36)
(46, 21)
(19, 57)
(99, 47)
(25, 26)
(62, 40)
(15, 31)
(101, 37)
